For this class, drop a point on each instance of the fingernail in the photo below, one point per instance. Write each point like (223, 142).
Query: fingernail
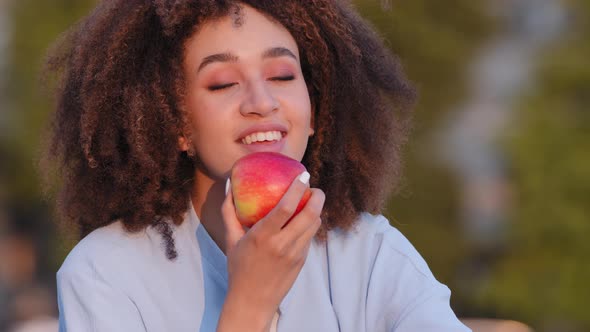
(304, 177)
(227, 185)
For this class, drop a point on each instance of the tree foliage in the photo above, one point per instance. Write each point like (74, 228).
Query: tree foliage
(543, 276)
(436, 41)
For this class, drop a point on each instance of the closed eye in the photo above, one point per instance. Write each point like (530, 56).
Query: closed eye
(220, 86)
(283, 78)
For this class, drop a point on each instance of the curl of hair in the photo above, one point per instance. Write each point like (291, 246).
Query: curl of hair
(119, 114)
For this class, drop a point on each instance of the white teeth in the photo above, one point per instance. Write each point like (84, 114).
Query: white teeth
(262, 136)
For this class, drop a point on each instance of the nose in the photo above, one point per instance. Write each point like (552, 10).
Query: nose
(258, 100)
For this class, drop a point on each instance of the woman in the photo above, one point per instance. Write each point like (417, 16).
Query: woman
(158, 99)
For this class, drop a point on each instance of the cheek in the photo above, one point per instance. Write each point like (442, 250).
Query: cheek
(208, 126)
(202, 114)
(304, 105)
(209, 122)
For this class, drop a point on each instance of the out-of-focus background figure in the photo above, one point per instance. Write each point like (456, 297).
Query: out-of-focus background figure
(496, 193)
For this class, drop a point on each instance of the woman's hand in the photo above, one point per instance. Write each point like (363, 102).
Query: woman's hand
(264, 262)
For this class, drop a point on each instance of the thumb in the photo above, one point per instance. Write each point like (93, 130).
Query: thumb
(233, 229)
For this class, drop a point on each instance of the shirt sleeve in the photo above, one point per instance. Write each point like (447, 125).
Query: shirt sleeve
(430, 312)
(403, 294)
(88, 303)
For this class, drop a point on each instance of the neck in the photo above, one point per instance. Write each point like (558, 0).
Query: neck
(207, 197)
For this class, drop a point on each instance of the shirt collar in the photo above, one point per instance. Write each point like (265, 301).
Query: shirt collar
(209, 249)
(213, 254)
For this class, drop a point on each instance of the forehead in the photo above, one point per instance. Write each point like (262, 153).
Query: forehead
(242, 32)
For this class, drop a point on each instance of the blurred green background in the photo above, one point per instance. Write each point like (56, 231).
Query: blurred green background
(497, 173)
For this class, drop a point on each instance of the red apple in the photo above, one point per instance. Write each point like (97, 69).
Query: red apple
(259, 181)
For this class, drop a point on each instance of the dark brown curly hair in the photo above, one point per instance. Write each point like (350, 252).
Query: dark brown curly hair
(119, 113)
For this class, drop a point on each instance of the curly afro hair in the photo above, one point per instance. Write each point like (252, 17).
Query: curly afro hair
(119, 110)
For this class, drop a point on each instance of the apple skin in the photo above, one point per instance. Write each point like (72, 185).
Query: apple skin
(259, 181)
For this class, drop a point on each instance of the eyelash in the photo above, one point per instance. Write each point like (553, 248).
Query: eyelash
(227, 85)
(283, 78)
(220, 87)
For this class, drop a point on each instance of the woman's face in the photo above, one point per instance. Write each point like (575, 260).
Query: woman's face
(245, 92)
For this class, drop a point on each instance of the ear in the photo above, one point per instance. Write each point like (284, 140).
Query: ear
(183, 143)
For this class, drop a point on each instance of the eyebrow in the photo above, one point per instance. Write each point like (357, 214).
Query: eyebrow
(276, 52)
(273, 52)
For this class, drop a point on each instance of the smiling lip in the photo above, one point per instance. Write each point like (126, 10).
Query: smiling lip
(265, 146)
(262, 128)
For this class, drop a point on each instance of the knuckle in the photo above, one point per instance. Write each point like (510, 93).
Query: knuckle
(321, 197)
(293, 257)
(277, 249)
(318, 223)
(310, 214)
(256, 239)
(317, 198)
(320, 193)
(285, 210)
(313, 210)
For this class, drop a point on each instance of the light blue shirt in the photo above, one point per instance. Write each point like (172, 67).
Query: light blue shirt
(369, 279)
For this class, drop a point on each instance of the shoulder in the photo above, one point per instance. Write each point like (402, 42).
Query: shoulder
(97, 285)
(107, 248)
(376, 233)
(375, 270)
(393, 241)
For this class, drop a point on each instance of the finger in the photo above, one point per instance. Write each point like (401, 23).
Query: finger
(307, 216)
(302, 243)
(233, 229)
(300, 247)
(286, 207)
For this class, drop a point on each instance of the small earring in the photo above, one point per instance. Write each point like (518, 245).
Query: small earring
(191, 149)
(191, 152)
